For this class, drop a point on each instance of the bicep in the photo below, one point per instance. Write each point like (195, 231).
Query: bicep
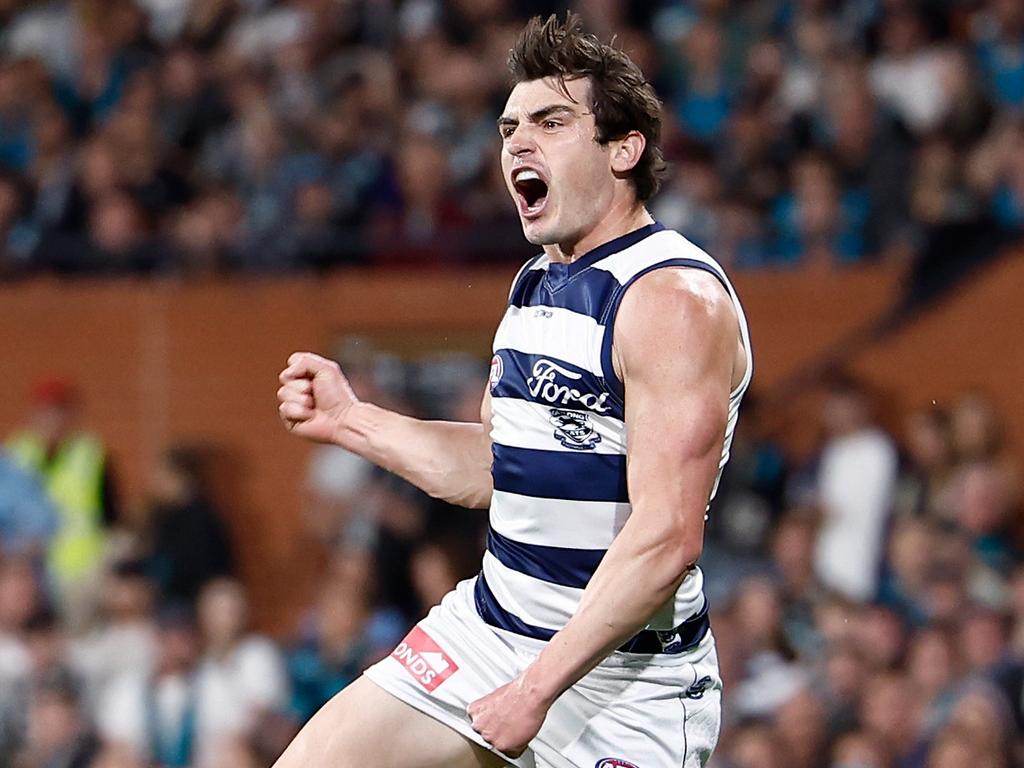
(675, 337)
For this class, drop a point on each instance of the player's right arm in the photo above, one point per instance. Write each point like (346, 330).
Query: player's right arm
(447, 460)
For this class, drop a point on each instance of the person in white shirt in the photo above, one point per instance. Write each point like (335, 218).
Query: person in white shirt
(855, 485)
(241, 677)
(124, 643)
(155, 717)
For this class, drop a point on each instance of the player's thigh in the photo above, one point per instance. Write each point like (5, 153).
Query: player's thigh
(364, 725)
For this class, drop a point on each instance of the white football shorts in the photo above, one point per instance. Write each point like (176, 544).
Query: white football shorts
(631, 711)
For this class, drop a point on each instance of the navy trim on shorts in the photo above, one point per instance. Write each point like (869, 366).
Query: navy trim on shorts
(648, 641)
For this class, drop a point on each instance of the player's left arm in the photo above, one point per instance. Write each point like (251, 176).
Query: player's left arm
(676, 343)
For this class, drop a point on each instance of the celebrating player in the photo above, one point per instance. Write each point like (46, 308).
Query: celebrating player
(615, 386)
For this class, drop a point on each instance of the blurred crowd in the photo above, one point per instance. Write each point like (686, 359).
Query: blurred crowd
(184, 137)
(870, 600)
(867, 598)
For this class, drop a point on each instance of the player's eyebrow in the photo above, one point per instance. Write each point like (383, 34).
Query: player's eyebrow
(538, 114)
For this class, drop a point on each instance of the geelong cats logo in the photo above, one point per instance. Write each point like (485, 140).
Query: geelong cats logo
(574, 430)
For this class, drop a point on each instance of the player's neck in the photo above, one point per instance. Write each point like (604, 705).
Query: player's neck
(621, 220)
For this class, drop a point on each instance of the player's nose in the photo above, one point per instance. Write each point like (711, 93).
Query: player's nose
(520, 143)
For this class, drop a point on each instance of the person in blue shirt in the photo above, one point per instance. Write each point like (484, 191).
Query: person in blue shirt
(28, 519)
(333, 654)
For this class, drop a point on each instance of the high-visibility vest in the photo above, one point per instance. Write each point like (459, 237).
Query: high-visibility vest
(74, 480)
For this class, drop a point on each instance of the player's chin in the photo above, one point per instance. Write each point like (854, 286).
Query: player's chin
(540, 230)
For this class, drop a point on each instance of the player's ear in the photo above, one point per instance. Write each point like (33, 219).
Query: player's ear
(627, 152)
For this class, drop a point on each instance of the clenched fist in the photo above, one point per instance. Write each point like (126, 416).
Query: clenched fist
(315, 397)
(509, 717)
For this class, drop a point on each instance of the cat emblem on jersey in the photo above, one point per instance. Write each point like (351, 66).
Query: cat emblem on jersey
(574, 430)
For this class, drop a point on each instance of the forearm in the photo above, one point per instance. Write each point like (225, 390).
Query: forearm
(445, 459)
(639, 574)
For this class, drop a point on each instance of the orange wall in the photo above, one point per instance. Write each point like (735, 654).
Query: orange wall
(970, 341)
(164, 361)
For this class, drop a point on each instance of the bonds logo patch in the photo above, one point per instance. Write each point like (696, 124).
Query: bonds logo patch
(424, 659)
(574, 430)
(613, 762)
(497, 369)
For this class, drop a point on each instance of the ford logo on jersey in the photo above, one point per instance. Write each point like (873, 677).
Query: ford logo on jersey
(613, 762)
(545, 384)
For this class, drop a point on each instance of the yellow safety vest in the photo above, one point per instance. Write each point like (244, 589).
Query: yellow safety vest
(74, 480)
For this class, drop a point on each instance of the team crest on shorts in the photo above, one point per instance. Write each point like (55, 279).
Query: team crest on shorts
(613, 762)
(574, 430)
(497, 369)
(423, 658)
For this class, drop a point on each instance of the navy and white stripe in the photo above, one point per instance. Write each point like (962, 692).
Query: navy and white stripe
(559, 439)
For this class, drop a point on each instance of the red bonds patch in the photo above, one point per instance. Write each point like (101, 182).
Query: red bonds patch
(424, 659)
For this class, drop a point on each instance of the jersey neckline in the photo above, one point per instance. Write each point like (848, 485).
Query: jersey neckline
(559, 271)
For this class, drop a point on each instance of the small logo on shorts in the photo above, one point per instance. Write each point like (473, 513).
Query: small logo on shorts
(574, 430)
(696, 691)
(424, 660)
(670, 641)
(613, 762)
(497, 369)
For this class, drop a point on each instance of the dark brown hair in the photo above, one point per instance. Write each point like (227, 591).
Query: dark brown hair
(621, 98)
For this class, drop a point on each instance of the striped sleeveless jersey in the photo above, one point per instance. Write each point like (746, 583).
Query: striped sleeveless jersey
(559, 441)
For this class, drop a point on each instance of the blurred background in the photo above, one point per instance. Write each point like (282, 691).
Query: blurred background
(192, 189)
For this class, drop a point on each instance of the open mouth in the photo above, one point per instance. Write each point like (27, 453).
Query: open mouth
(531, 192)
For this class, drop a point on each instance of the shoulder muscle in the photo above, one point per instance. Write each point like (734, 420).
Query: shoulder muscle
(675, 321)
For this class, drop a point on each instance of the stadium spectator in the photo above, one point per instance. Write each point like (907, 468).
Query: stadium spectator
(28, 518)
(241, 680)
(855, 486)
(189, 544)
(153, 716)
(17, 237)
(335, 654)
(927, 482)
(57, 732)
(49, 657)
(908, 74)
(873, 153)
(20, 599)
(74, 466)
(123, 642)
(769, 677)
(819, 221)
(1000, 48)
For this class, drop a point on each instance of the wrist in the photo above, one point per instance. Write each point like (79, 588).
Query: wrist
(540, 686)
(353, 426)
